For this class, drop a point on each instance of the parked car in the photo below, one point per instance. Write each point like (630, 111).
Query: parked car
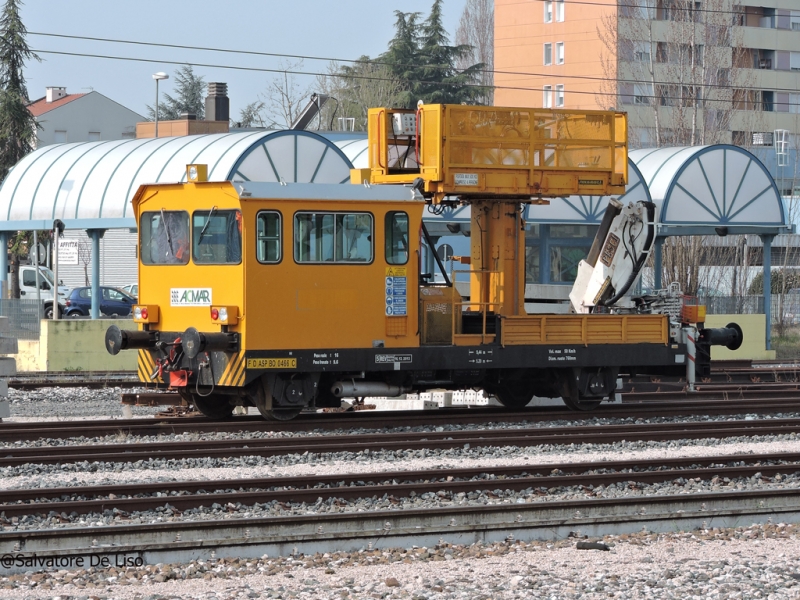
(132, 289)
(114, 302)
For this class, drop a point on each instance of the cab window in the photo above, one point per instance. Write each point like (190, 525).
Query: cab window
(268, 246)
(164, 237)
(396, 238)
(217, 237)
(333, 237)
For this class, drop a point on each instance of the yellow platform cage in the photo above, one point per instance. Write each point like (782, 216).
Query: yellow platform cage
(482, 151)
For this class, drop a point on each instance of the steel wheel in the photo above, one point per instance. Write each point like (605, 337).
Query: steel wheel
(215, 406)
(513, 394)
(260, 394)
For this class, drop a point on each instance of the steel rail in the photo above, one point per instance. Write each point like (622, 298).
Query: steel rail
(310, 488)
(13, 431)
(183, 541)
(264, 447)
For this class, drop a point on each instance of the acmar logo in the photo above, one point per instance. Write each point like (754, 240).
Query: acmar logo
(190, 296)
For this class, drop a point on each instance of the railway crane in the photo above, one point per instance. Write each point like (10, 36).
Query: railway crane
(292, 296)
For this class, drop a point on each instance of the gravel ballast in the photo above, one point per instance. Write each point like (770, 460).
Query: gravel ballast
(760, 561)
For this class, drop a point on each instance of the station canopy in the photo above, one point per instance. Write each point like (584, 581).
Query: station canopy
(700, 190)
(89, 185)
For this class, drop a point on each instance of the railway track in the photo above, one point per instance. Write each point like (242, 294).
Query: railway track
(742, 372)
(184, 541)
(88, 379)
(182, 495)
(11, 456)
(647, 407)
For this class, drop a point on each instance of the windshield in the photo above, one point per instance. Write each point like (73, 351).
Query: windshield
(165, 237)
(217, 236)
(47, 275)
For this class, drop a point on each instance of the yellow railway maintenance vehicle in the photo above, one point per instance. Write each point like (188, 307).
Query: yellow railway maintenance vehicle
(287, 296)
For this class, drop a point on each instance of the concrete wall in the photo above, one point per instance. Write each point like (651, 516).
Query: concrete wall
(74, 345)
(754, 344)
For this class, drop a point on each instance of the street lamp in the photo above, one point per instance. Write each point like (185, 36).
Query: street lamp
(158, 77)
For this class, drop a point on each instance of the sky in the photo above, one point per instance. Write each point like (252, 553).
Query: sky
(346, 29)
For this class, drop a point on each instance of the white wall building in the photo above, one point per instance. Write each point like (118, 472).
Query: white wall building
(88, 117)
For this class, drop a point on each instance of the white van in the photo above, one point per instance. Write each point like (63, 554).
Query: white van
(27, 288)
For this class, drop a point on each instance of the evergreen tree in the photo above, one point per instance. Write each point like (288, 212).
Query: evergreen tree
(189, 97)
(17, 125)
(421, 57)
(403, 56)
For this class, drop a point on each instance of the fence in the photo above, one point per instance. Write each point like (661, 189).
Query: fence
(785, 307)
(23, 318)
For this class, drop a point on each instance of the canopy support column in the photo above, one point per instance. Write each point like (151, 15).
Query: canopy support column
(95, 235)
(657, 262)
(767, 241)
(4, 264)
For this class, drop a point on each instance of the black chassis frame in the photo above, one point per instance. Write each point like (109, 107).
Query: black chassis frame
(436, 365)
(655, 359)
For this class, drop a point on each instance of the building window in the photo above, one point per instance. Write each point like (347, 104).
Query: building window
(559, 96)
(794, 18)
(547, 96)
(642, 93)
(641, 52)
(333, 238)
(548, 11)
(268, 242)
(564, 262)
(560, 10)
(548, 54)
(559, 53)
(794, 61)
(60, 137)
(794, 103)
(94, 136)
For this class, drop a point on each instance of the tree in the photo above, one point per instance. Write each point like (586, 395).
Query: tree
(189, 98)
(284, 97)
(682, 74)
(17, 125)
(251, 115)
(476, 30)
(426, 65)
(354, 89)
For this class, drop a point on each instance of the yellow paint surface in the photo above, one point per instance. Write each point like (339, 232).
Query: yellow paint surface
(74, 345)
(754, 344)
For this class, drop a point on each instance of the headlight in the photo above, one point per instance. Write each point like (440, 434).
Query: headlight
(145, 313)
(225, 315)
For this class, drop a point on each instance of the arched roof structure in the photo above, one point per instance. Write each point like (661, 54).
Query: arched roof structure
(355, 149)
(697, 191)
(700, 189)
(89, 185)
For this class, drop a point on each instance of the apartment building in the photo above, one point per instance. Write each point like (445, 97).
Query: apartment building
(688, 72)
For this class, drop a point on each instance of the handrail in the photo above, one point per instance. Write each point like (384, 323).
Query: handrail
(482, 305)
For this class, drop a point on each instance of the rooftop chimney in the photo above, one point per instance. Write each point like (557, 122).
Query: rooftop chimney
(55, 93)
(217, 103)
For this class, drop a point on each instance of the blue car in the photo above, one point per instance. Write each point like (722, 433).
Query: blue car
(114, 302)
